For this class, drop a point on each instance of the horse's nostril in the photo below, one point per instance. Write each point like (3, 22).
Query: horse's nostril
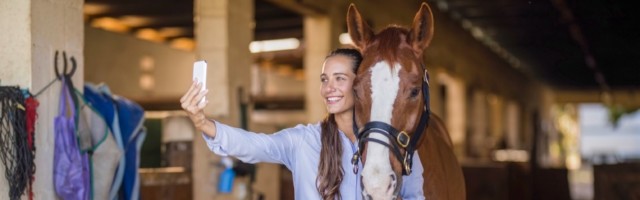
(392, 185)
(366, 196)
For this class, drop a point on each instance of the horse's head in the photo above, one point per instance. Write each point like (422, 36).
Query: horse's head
(392, 99)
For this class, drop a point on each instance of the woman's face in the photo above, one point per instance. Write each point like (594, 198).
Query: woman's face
(337, 84)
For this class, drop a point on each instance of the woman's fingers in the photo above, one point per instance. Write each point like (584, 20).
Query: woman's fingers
(184, 98)
(196, 108)
(203, 104)
(187, 98)
(196, 90)
(198, 97)
(183, 101)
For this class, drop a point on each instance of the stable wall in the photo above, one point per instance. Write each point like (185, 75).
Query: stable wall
(121, 61)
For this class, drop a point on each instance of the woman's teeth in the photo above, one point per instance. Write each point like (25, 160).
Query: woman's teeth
(333, 99)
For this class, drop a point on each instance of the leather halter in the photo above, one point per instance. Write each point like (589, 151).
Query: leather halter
(398, 139)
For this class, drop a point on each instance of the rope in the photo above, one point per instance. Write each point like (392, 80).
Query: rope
(15, 152)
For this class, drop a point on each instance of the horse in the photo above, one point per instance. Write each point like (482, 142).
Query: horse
(392, 110)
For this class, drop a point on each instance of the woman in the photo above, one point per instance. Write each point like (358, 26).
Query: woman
(319, 154)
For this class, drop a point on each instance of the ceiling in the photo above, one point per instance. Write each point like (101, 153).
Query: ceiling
(272, 22)
(566, 43)
(533, 35)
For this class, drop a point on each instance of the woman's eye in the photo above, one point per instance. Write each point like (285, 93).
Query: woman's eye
(414, 93)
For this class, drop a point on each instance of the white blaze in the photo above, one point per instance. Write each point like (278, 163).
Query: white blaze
(384, 89)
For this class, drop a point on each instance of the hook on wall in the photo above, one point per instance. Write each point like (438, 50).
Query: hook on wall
(64, 69)
(65, 73)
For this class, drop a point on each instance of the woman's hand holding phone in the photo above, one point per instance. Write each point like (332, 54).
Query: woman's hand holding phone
(193, 102)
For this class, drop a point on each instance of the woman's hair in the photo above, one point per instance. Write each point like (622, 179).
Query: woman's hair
(355, 56)
(330, 171)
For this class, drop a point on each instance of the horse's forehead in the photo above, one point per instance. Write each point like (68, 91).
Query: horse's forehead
(391, 46)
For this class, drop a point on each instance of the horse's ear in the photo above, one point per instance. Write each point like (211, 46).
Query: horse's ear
(358, 29)
(422, 30)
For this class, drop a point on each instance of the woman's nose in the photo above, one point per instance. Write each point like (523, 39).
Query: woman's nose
(330, 87)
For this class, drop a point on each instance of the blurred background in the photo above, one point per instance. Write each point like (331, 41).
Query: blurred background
(540, 96)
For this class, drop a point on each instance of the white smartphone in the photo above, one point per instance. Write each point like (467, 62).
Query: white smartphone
(200, 74)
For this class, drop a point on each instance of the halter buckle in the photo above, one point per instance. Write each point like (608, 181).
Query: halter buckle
(354, 161)
(403, 139)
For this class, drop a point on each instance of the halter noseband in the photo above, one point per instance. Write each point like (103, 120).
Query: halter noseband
(398, 139)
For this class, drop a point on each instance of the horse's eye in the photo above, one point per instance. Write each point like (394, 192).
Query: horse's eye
(414, 93)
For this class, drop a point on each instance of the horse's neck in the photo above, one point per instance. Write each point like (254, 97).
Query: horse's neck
(442, 171)
(437, 128)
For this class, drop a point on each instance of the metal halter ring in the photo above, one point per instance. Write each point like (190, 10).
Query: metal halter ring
(355, 169)
(403, 136)
(426, 77)
(407, 166)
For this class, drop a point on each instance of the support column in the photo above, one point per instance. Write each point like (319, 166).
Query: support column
(456, 109)
(32, 32)
(480, 126)
(317, 42)
(223, 30)
(512, 125)
(496, 113)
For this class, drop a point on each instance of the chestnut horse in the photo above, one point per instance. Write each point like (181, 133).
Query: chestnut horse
(392, 111)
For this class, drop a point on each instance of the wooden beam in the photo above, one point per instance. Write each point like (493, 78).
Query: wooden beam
(275, 23)
(299, 7)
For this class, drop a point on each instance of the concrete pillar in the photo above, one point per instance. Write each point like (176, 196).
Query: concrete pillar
(32, 32)
(317, 41)
(512, 125)
(480, 125)
(456, 110)
(223, 31)
(496, 113)
(438, 77)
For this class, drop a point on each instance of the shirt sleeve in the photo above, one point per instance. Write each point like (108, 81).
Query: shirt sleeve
(412, 185)
(252, 147)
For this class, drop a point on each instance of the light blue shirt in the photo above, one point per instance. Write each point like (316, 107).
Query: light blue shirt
(298, 148)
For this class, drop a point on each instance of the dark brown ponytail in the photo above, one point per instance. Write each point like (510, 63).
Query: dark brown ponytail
(330, 171)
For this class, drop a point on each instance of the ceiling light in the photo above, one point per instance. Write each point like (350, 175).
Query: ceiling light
(443, 5)
(186, 44)
(477, 32)
(146, 82)
(274, 45)
(135, 21)
(95, 8)
(345, 39)
(147, 63)
(150, 35)
(110, 24)
(172, 31)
